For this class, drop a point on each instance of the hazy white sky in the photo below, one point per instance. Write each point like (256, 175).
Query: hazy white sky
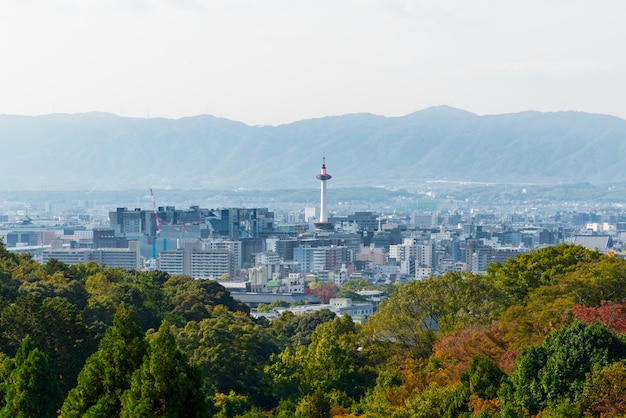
(278, 61)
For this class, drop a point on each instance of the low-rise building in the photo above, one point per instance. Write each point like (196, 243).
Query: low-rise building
(359, 312)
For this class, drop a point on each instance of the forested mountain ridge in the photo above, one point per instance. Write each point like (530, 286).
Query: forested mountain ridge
(543, 333)
(98, 151)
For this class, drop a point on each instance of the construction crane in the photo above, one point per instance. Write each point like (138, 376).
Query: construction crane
(156, 214)
(159, 226)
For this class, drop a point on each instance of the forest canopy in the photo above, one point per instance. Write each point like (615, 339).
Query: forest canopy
(540, 334)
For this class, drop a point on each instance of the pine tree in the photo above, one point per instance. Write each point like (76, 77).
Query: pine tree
(31, 389)
(165, 385)
(107, 373)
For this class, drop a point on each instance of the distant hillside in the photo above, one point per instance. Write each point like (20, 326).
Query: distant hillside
(98, 151)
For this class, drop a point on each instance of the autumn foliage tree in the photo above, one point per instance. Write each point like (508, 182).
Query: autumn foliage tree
(324, 291)
(612, 315)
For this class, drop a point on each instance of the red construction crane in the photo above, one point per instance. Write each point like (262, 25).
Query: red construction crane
(156, 214)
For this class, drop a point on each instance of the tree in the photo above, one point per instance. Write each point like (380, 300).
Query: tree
(527, 323)
(482, 378)
(292, 329)
(166, 384)
(517, 276)
(433, 402)
(605, 390)
(461, 346)
(324, 291)
(417, 312)
(104, 299)
(405, 321)
(610, 314)
(144, 291)
(315, 405)
(558, 368)
(329, 365)
(192, 300)
(230, 405)
(56, 328)
(355, 297)
(56, 284)
(265, 308)
(31, 388)
(107, 372)
(231, 350)
(11, 264)
(596, 282)
(283, 374)
(386, 398)
(355, 285)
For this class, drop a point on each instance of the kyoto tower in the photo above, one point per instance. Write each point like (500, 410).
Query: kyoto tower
(323, 223)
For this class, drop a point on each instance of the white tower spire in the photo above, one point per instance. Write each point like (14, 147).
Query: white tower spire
(323, 176)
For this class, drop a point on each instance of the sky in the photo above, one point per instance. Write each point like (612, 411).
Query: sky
(270, 62)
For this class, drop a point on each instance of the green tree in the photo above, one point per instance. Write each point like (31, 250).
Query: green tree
(144, 291)
(291, 329)
(327, 365)
(56, 284)
(166, 384)
(434, 402)
(558, 368)
(382, 399)
(315, 405)
(31, 388)
(597, 282)
(81, 271)
(605, 390)
(56, 328)
(562, 408)
(231, 350)
(517, 276)
(230, 405)
(10, 266)
(283, 374)
(411, 319)
(328, 362)
(482, 378)
(355, 285)
(107, 373)
(193, 300)
(355, 297)
(104, 297)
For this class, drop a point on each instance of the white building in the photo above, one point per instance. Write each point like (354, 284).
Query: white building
(359, 312)
(231, 245)
(126, 258)
(195, 262)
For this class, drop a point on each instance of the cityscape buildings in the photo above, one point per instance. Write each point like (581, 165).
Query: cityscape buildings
(283, 251)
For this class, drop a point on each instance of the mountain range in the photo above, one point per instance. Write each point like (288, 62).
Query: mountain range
(101, 151)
